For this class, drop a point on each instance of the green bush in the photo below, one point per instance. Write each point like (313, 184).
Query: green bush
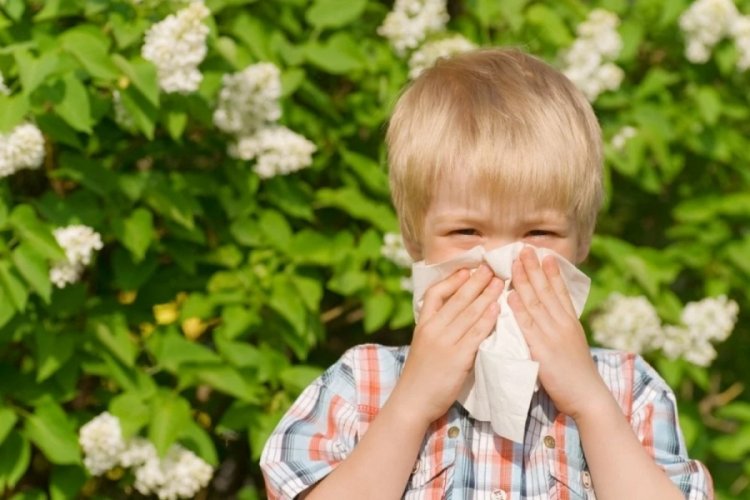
(220, 274)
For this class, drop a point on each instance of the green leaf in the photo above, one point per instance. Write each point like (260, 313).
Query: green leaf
(132, 410)
(140, 109)
(549, 25)
(113, 333)
(142, 75)
(176, 121)
(275, 229)
(75, 107)
(34, 269)
(172, 351)
(13, 286)
(90, 47)
(51, 431)
(87, 172)
(53, 350)
(352, 201)
(378, 308)
(31, 230)
(32, 71)
(66, 482)
(15, 457)
(8, 420)
(13, 109)
(339, 55)
(334, 13)
(138, 233)
(297, 378)
(170, 413)
(709, 104)
(198, 440)
(285, 300)
(223, 378)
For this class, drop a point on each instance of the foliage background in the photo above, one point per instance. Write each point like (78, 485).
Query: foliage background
(218, 295)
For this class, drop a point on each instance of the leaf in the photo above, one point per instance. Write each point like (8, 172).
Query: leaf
(13, 109)
(53, 350)
(142, 75)
(297, 378)
(198, 440)
(224, 378)
(138, 107)
(75, 107)
(34, 269)
(275, 229)
(8, 420)
(549, 25)
(378, 308)
(339, 55)
(175, 121)
(32, 71)
(169, 414)
(172, 351)
(66, 481)
(134, 413)
(51, 431)
(709, 104)
(87, 172)
(15, 457)
(113, 333)
(89, 46)
(353, 202)
(285, 300)
(138, 233)
(13, 286)
(31, 230)
(334, 13)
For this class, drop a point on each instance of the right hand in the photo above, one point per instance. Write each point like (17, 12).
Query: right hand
(458, 313)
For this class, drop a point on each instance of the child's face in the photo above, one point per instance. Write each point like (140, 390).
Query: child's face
(455, 223)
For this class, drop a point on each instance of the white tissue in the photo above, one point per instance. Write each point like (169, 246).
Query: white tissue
(504, 379)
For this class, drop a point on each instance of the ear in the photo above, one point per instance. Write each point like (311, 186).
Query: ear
(412, 247)
(584, 245)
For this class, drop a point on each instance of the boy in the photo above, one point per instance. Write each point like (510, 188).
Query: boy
(487, 149)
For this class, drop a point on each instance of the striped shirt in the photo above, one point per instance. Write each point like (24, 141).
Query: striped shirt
(462, 458)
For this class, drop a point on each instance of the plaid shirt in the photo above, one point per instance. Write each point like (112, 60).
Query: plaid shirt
(462, 458)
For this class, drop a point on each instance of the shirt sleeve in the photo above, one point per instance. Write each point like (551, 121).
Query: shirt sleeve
(655, 422)
(317, 432)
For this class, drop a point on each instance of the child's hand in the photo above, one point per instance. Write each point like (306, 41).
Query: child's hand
(545, 314)
(458, 313)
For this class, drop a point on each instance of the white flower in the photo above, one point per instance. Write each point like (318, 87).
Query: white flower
(681, 342)
(122, 117)
(137, 452)
(623, 136)
(394, 250)
(249, 100)
(22, 148)
(102, 442)
(704, 24)
(741, 33)
(276, 150)
(180, 474)
(430, 52)
(176, 46)
(78, 242)
(588, 61)
(627, 323)
(410, 21)
(713, 317)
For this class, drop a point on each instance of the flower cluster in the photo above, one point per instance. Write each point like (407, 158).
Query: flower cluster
(180, 474)
(704, 24)
(176, 46)
(249, 99)
(276, 150)
(411, 21)
(22, 148)
(78, 242)
(632, 324)
(431, 51)
(394, 250)
(623, 136)
(588, 62)
(249, 108)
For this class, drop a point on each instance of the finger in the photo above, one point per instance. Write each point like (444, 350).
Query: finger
(441, 291)
(481, 328)
(531, 301)
(463, 323)
(526, 323)
(542, 286)
(457, 303)
(552, 270)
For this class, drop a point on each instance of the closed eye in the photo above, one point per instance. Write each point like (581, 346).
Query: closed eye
(466, 231)
(539, 232)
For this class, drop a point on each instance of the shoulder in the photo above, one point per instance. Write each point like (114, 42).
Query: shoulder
(630, 378)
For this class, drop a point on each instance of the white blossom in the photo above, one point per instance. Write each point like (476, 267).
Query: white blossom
(102, 443)
(394, 250)
(704, 24)
(180, 474)
(176, 46)
(681, 342)
(249, 99)
(78, 242)
(137, 452)
(122, 116)
(714, 317)
(627, 323)
(622, 136)
(276, 150)
(22, 148)
(431, 51)
(410, 21)
(588, 61)
(741, 33)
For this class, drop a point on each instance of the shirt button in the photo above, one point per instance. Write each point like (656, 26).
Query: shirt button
(586, 479)
(499, 495)
(549, 441)
(453, 432)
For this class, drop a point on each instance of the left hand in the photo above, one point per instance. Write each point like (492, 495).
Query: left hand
(544, 312)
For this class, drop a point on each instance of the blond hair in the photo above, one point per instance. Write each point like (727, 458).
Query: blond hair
(504, 121)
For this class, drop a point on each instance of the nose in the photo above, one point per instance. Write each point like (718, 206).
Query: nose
(494, 242)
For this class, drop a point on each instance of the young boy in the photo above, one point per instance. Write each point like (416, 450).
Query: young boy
(487, 149)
